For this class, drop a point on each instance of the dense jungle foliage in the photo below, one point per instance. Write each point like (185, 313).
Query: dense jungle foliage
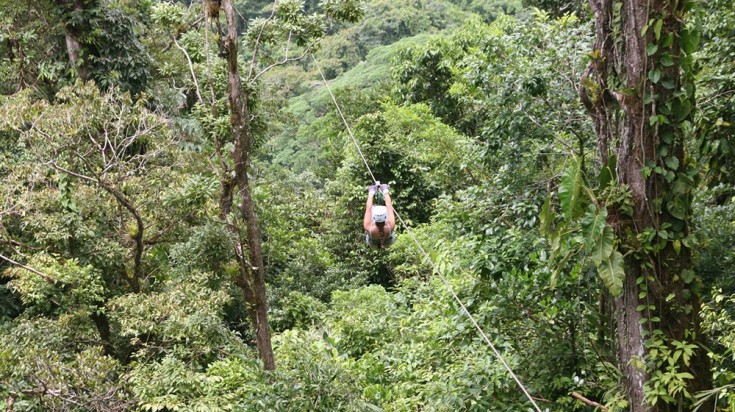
(127, 253)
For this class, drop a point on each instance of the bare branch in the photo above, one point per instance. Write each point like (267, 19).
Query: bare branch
(191, 70)
(54, 165)
(46, 277)
(288, 43)
(286, 60)
(15, 243)
(551, 133)
(256, 47)
(209, 63)
(589, 402)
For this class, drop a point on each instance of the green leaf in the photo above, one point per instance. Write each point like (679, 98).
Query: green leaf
(682, 184)
(677, 246)
(654, 75)
(657, 28)
(593, 224)
(667, 136)
(649, 98)
(603, 247)
(677, 207)
(689, 41)
(672, 162)
(612, 273)
(682, 108)
(666, 60)
(687, 275)
(560, 266)
(651, 49)
(570, 189)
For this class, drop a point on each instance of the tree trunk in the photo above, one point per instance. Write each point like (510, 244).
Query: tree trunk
(137, 237)
(634, 91)
(631, 348)
(73, 47)
(103, 328)
(254, 283)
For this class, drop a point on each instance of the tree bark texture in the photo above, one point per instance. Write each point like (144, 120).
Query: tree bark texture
(613, 89)
(253, 272)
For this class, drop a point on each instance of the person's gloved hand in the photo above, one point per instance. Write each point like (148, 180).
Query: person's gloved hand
(384, 188)
(372, 189)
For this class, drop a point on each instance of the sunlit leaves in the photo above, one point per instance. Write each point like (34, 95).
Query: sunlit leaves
(290, 22)
(186, 311)
(343, 10)
(59, 287)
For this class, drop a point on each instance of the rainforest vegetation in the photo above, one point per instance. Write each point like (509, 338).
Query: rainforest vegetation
(181, 204)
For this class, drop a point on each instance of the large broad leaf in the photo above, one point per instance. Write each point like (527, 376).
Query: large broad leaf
(689, 40)
(603, 247)
(678, 207)
(593, 224)
(560, 267)
(570, 189)
(612, 273)
(682, 108)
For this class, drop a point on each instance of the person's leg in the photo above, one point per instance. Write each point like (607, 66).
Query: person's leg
(391, 223)
(368, 209)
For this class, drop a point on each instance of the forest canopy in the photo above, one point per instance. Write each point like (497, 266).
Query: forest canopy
(183, 182)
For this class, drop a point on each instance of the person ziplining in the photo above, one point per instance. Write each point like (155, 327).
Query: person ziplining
(379, 224)
(379, 221)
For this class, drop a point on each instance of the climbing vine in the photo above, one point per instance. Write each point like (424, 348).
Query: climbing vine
(633, 221)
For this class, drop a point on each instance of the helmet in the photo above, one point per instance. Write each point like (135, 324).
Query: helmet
(380, 214)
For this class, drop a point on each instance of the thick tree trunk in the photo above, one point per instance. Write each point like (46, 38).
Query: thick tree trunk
(254, 283)
(73, 46)
(103, 328)
(614, 89)
(631, 348)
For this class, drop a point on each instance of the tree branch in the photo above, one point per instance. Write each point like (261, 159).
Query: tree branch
(256, 47)
(286, 60)
(191, 70)
(589, 402)
(46, 277)
(552, 134)
(124, 202)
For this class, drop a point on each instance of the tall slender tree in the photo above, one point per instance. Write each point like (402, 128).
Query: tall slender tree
(252, 270)
(287, 23)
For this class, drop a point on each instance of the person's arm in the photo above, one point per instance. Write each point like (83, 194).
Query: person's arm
(391, 223)
(368, 215)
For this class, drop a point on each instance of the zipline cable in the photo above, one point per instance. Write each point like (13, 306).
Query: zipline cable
(426, 255)
(339, 110)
